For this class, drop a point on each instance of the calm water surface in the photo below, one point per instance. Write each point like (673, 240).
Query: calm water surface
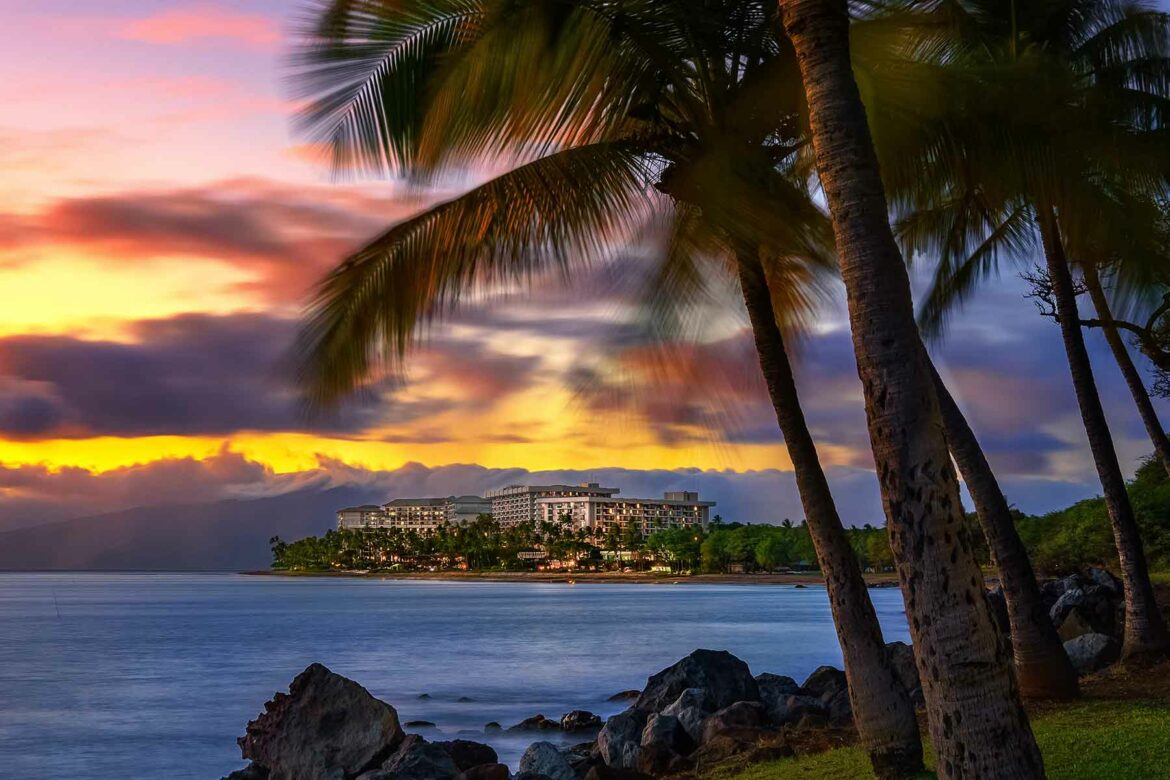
(154, 675)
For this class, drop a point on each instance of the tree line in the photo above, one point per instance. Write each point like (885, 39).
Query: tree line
(783, 144)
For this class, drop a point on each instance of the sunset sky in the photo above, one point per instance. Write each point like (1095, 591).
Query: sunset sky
(161, 226)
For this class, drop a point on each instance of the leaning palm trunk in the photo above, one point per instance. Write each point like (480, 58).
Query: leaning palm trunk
(1145, 631)
(1043, 669)
(881, 705)
(977, 724)
(1133, 379)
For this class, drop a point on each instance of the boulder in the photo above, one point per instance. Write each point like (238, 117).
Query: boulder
(1072, 597)
(484, 772)
(580, 720)
(774, 690)
(691, 710)
(750, 744)
(1076, 623)
(666, 731)
(839, 710)
(742, 714)
(901, 657)
(492, 726)
(797, 707)
(530, 776)
(620, 738)
(997, 603)
(417, 759)
(825, 683)
(543, 758)
(629, 695)
(1103, 579)
(536, 723)
(1090, 652)
(325, 725)
(419, 724)
(604, 772)
(658, 760)
(582, 757)
(250, 772)
(725, 678)
(467, 754)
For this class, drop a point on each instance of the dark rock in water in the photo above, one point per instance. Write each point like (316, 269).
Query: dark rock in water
(798, 586)
(901, 657)
(797, 707)
(825, 683)
(423, 696)
(536, 723)
(742, 714)
(774, 690)
(250, 772)
(667, 731)
(467, 754)
(417, 759)
(543, 758)
(484, 772)
(620, 738)
(420, 724)
(725, 678)
(465, 700)
(604, 772)
(580, 720)
(492, 726)
(325, 725)
(1090, 652)
(629, 695)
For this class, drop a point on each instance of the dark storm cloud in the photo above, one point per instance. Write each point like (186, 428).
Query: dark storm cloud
(211, 375)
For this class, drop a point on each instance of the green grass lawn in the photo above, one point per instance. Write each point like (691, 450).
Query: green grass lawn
(1087, 739)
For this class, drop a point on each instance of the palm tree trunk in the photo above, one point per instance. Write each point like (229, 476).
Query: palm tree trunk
(977, 724)
(1133, 379)
(1042, 667)
(881, 705)
(1145, 631)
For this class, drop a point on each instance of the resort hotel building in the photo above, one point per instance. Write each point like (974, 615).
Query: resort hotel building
(588, 505)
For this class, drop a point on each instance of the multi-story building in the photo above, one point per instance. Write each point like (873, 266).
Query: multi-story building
(417, 514)
(364, 516)
(516, 504)
(676, 509)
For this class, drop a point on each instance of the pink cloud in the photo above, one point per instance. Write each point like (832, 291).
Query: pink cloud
(204, 24)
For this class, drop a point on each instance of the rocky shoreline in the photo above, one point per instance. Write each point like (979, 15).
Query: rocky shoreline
(703, 711)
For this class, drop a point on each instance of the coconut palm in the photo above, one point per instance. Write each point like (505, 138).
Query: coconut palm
(618, 100)
(1075, 146)
(977, 723)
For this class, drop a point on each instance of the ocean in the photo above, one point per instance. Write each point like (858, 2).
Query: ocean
(155, 675)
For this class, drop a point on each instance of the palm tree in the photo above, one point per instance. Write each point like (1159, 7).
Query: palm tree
(977, 723)
(676, 107)
(1092, 76)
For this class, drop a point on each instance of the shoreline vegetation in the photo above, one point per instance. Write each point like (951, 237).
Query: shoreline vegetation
(803, 579)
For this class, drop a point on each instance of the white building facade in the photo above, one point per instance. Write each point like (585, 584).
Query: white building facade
(674, 510)
(422, 515)
(516, 504)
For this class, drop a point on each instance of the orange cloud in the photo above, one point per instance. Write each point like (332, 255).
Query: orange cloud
(204, 24)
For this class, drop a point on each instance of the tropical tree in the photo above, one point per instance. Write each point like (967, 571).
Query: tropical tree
(977, 723)
(631, 96)
(1077, 93)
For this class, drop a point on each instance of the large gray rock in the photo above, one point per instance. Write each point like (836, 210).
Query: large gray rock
(825, 683)
(1090, 652)
(901, 658)
(742, 714)
(1070, 598)
(544, 758)
(839, 710)
(666, 731)
(725, 678)
(620, 739)
(580, 720)
(417, 759)
(1076, 623)
(774, 691)
(1105, 580)
(326, 725)
(796, 707)
(691, 709)
(250, 772)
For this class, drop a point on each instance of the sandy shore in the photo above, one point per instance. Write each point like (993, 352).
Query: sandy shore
(641, 578)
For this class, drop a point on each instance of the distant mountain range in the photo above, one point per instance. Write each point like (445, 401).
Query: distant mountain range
(230, 534)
